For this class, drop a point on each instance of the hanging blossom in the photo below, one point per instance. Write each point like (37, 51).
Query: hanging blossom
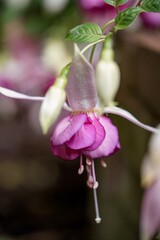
(150, 178)
(87, 132)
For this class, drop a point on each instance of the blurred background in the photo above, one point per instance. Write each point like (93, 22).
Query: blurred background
(43, 197)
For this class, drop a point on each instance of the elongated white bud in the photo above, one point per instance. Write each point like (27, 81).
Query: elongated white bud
(51, 107)
(107, 79)
(107, 74)
(53, 101)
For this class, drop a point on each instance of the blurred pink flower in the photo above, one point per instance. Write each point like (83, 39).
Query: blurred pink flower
(24, 69)
(100, 12)
(151, 19)
(150, 212)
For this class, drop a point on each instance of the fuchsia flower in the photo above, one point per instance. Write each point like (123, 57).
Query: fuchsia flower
(150, 179)
(87, 131)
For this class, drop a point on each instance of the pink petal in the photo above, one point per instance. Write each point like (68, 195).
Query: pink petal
(12, 94)
(67, 127)
(100, 133)
(81, 89)
(110, 142)
(150, 212)
(83, 138)
(123, 113)
(64, 152)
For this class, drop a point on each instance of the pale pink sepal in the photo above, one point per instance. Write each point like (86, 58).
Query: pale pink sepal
(125, 114)
(13, 94)
(81, 88)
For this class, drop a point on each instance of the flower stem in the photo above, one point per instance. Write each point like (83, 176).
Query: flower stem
(107, 24)
(92, 45)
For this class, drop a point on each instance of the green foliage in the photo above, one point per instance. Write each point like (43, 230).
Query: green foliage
(151, 5)
(116, 3)
(110, 2)
(89, 32)
(126, 17)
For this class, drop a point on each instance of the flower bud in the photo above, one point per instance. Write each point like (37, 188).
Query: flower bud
(51, 107)
(53, 102)
(107, 74)
(107, 77)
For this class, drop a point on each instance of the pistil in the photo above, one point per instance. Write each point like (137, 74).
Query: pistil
(95, 186)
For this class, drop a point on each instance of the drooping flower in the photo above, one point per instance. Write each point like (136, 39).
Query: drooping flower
(87, 131)
(150, 179)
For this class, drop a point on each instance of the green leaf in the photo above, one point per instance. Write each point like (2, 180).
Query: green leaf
(126, 17)
(116, 3)
(121, 2)
(88, 32)
(151, 5)
(110, 2)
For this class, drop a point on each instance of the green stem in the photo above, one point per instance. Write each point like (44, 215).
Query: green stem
(107, 24)
(92, 53)
(91, 45)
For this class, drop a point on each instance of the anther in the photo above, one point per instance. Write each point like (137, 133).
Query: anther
(88, 162)
(80, 170)
(103, 163)
(98, 220)
(95, 185)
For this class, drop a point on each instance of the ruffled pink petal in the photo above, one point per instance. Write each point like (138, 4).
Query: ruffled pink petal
(100, 133)
(64, 152)
(81, 88)
(125, 114)
(110, 142)
(83, 138)
(67, 127)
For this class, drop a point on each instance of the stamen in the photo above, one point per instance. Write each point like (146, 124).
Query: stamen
(103, 163)
(95, 185)
(81, 168)
(88, 161)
